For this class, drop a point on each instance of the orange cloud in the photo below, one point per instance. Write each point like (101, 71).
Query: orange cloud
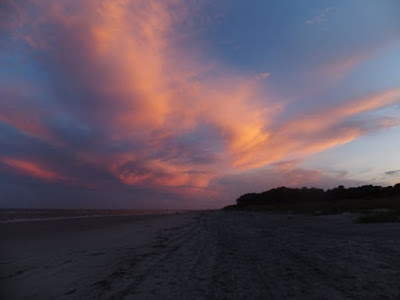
(318, 131)
(146, 93)
(160, 173)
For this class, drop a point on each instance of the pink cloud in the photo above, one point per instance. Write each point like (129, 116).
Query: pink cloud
(19, 109)
(145, 93)
(33, 169)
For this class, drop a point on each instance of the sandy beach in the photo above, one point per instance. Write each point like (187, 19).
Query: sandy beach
(201, 255)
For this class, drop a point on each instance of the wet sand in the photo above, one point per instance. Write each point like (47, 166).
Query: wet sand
(203, 255)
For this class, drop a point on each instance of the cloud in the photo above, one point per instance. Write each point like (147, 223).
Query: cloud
(394, 172)
(128, 100)
(321, 17)
(341, 173)
(137, 85)
(286, 164)
(35, 170)
(322, 129)
(18, 103)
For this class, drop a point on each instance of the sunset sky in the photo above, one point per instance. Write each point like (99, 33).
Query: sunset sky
(189, 104)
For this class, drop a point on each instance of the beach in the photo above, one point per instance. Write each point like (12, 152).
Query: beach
(200, 255)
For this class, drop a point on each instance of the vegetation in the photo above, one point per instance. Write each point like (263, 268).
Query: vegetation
(317, 201)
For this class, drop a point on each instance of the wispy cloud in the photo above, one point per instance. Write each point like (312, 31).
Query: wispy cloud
(394, 172)
(321, 17)
(36, 170)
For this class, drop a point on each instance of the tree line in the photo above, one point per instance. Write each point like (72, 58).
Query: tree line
(284, 195)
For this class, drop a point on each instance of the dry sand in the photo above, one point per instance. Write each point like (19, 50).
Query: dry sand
(203, 255)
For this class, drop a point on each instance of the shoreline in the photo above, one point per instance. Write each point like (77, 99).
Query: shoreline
(83, 217)
(25, 215)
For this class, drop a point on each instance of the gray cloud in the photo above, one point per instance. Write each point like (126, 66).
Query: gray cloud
(394, 172)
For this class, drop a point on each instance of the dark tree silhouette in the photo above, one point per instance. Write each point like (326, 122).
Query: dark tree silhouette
(296, 196)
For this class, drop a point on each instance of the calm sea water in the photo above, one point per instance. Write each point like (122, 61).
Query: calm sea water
(20, 215)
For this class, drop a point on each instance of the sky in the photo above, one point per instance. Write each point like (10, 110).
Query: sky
(190, 104)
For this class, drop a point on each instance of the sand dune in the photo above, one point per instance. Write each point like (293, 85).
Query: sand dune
(202, 255)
